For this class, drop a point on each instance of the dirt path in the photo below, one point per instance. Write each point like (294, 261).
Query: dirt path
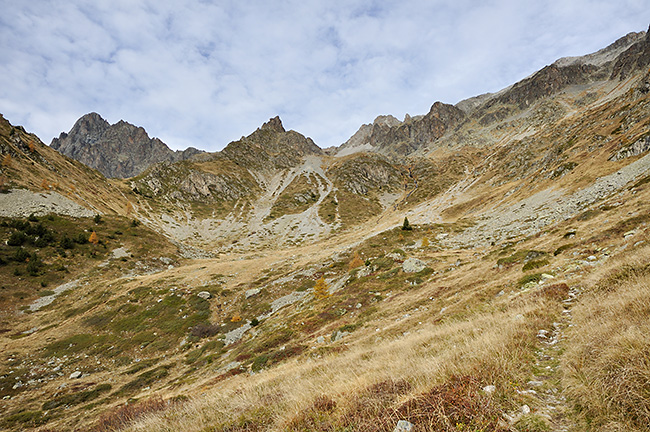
(546, 385)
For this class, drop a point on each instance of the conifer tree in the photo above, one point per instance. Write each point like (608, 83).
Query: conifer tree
(321, 290)
(94, 239)
(406, 226)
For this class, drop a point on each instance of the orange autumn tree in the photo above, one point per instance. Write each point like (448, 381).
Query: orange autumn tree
(355, 262)
(94, 239)
(321, 290)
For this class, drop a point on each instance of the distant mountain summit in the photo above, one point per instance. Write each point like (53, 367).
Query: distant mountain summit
(118, 150)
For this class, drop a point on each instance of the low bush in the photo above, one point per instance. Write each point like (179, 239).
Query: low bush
(123, 416)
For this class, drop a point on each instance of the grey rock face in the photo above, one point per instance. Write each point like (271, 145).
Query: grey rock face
(635, 149)
(119, 150)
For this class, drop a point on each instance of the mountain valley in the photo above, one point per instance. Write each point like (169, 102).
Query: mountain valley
(484, 266)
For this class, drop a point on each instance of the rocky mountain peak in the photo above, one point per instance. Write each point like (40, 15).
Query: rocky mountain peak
(90, 126)
(118, 150)
(273, 125)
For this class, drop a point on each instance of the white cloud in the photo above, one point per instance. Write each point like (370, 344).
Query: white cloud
(203, 73)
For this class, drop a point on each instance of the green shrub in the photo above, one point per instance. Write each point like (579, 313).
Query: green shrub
(536, 277)
(17, 238)
(563, 248)
(532, 265)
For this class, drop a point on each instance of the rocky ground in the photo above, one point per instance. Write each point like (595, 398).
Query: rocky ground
(23, 203)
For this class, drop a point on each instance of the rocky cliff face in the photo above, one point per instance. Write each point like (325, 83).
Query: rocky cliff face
(119, 150)
(389, 136)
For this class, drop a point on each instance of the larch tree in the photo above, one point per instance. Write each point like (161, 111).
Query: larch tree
(321, 290)
(355, 262)
(94, 238)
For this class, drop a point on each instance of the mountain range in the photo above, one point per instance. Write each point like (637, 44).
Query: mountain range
(483, 266)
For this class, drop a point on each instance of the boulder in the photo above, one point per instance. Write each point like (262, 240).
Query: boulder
(413, 265)
(75, 375)
(204, 295)
(252, 292)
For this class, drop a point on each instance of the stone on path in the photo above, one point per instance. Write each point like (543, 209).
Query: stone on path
(403, 426)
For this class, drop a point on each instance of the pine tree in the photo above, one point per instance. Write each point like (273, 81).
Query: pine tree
(406, 226)
(94, 239)
(321, 290)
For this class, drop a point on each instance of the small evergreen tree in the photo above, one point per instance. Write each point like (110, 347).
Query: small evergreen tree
(321, 290)
(406, 226)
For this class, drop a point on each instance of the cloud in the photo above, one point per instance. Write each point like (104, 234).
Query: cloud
(203, 73)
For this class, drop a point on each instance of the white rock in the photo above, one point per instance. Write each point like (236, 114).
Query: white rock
(413, 265)
(320, 340)
(204, 295)
(525, 410)
(591, 258)
(547, 276)
(403, 426)
(252, 292)
(75, 375)
(489, 389)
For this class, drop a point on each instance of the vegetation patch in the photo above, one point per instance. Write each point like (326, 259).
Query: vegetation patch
(76, 398)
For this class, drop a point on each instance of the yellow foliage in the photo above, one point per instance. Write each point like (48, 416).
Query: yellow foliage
(32, 147)
(321, 290)
(425, 242)
(45, 184)
(235, 318)
(355, 262)
(94, 239)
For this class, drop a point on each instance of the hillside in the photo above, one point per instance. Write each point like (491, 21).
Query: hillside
(273, 286)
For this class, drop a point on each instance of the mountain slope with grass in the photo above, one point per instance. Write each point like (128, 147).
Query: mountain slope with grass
(275, 287)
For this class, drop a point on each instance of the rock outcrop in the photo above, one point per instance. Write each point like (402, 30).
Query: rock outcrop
(119, 150)
(389, 136)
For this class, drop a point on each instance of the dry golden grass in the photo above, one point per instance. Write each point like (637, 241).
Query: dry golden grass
(607, 363)
(492, 348)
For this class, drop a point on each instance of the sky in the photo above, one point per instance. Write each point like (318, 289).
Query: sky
(203, 73)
